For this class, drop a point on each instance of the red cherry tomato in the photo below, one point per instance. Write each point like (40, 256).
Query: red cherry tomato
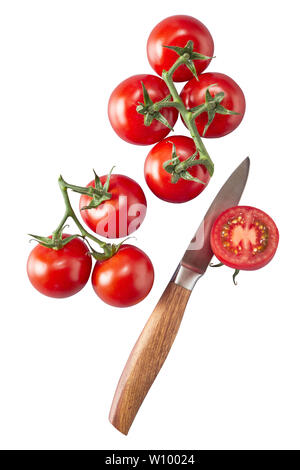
(159, 180)
(124, 118)
(60, 273)
(122, 214)
(124, 279)
(193, 94)
(177, 31)
(244, 238)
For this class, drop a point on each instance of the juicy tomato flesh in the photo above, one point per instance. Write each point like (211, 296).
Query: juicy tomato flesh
(244, 238)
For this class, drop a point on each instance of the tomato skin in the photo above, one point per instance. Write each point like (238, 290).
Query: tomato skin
(127, 122)
(193, 94)
(159, 180)
(60, 273)
(177, 30)
(247, 259)
(124, 279)
(122, 214)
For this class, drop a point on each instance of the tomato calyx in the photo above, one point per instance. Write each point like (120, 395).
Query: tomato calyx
(218, 265)
(98, 194)
(212, 106)
(189, 55)
(150, 110)
(56, 241)
(236, 271)
(59, 240)
(178, 169)
(109, 250)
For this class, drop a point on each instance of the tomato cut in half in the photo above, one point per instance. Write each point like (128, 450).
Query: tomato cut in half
(244, 237)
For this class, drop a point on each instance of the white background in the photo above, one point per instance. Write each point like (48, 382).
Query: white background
(232, 378)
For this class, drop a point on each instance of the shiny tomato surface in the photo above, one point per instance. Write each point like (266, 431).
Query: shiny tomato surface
(122, 214)
(124, 279)
(60, 273)
(124, 118)
(177, 30)
(159, 180)
(193, 94)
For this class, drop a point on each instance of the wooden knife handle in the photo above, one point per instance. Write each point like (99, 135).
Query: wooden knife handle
(148, 356)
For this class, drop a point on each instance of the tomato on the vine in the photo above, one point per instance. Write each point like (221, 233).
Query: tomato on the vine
(159, 179)
(120, 215)
(124, 118)
(60, 273)
(124, 279)
(193, 94)
(176, 31)
(244, 237)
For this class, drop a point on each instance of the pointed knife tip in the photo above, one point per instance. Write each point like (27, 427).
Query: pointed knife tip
(245, 164)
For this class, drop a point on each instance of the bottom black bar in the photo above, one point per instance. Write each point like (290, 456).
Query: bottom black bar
(140, 459)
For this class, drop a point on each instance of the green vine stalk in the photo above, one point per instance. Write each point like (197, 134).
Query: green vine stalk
(212, 105)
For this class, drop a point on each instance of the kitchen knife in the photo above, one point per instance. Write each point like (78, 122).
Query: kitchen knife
(156, 339)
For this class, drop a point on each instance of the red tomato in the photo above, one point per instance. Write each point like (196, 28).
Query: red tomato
(122, 214)
(159, 180)
(124, 279)
(193, 94)
(124, 118)
(60, 273)
(177, 31)
(244, 238)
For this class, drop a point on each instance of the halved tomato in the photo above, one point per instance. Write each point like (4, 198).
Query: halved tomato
(244, 237)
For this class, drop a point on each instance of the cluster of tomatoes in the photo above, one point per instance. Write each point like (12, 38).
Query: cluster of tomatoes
(124, 274)
(237, 239)
(114, 206)
(175, 32)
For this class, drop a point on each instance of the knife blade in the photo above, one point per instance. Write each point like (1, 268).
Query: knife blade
(198, 254)
(157, 337)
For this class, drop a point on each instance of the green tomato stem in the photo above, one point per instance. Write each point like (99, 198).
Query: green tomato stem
(69, 212)
(199, 111)
(57, 231)
(204, 156)
(188, 116)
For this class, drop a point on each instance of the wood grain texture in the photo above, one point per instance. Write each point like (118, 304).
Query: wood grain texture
(148, 356)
